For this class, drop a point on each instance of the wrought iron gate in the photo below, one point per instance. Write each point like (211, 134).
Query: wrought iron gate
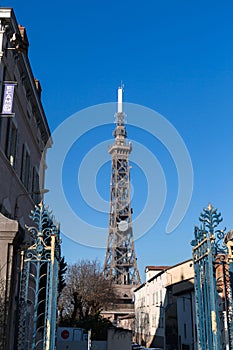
(213, 309)
(39, 284)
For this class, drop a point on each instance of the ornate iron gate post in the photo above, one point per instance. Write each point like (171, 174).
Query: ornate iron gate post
(205, 250)
(39, 284)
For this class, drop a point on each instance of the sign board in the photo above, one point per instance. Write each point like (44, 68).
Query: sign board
(8, 98)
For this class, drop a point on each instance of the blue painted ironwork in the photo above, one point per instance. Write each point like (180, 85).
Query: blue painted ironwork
(206, 245)
(39, 283)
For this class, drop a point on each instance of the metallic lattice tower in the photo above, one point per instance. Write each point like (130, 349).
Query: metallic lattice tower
(120, 261)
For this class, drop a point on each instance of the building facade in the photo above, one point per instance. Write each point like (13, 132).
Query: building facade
(24, 133)
(150, 301)
(164, 308)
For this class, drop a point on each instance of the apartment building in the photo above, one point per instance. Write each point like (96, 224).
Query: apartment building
(164, 308)
(24, 133)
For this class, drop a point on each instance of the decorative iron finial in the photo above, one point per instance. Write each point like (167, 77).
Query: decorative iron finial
(210, 219)
(210, 207)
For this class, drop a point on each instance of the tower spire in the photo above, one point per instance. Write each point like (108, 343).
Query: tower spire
(120, 261)
(120, 99)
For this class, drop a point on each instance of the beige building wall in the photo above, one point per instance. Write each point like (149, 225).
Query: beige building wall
(180, 272)
(157, 298)
(152, 271)
(150, 301)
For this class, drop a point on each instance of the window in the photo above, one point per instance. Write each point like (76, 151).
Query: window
(153, 302)
(35, 186)
(25, 170)
(183, 304)
(11, 142)
(148, 300)
(185, 331)
(161, 296)
(153, 320)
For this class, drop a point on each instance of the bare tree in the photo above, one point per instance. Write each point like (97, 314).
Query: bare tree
(86, 292)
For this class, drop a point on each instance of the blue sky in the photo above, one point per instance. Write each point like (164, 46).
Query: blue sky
(174, 57)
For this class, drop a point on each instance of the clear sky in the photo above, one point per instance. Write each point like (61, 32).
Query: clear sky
(174, 57)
